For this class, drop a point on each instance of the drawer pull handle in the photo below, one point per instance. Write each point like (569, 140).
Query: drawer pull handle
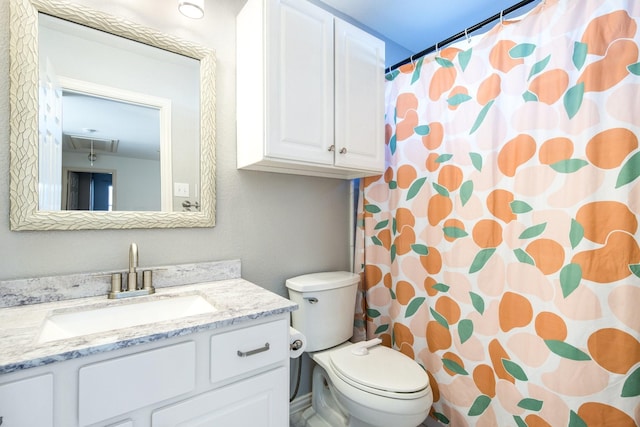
(252, 352)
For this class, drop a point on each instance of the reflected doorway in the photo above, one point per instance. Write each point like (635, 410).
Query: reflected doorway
(88, 190)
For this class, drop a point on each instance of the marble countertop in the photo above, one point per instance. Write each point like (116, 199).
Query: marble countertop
(235, 300)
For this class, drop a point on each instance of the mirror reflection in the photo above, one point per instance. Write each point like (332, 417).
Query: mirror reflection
(114, 106)
(88, 190)
(104, 136)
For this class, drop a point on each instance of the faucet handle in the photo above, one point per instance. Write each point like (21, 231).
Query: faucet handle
(116, 285)
(147, 281)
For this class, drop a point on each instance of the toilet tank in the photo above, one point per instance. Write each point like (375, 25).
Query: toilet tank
(326, 307)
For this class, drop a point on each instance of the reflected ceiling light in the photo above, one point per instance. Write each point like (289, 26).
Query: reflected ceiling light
(92, 155)
(191, 8)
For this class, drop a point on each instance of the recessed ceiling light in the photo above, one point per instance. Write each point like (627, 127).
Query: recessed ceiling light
(191, 8)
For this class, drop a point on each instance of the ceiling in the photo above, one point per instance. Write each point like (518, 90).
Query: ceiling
(110, 127)
(414, 25)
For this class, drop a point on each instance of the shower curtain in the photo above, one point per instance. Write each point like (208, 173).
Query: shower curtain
(500, 249)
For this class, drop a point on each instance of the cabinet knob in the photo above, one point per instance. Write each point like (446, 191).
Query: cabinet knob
(332, 148)
(343, 150)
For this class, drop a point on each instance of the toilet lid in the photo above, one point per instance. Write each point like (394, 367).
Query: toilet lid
(381, 369)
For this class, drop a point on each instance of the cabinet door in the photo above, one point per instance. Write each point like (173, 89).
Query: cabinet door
(27, 403)
(124, 384)
(359, 102)
(260, 401)
(299, 93)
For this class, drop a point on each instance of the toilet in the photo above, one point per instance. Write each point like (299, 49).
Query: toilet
(362, 384)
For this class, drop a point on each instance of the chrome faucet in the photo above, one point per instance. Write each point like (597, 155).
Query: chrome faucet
(131, 289)
(132, 277)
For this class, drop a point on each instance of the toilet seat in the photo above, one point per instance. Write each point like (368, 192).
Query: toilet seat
(381, 371)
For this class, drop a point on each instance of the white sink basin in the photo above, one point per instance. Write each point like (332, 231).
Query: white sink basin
(74, 324)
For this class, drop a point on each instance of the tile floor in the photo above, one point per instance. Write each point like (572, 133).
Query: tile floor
(292, 424)
(294, 421)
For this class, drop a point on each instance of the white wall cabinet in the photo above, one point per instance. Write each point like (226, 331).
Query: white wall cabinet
(235, 376)
(310, 92)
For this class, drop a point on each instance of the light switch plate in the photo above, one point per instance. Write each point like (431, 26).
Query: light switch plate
(180, 189)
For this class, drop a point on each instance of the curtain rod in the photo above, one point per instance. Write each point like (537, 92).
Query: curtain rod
(461, 34)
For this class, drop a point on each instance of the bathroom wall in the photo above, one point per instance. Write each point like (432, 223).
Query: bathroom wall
(394, 53)
(278, 225)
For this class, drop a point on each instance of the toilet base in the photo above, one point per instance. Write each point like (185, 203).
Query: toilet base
(340, 405)
(326, 410)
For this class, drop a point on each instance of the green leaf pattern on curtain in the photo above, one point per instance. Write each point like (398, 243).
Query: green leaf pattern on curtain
(479, 405)
(539, 66)
(580, 51)
(464, 58)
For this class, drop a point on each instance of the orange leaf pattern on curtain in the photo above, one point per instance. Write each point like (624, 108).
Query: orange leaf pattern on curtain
(500, 249)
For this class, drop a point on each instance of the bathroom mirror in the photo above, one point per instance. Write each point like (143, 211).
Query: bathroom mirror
(28, 165)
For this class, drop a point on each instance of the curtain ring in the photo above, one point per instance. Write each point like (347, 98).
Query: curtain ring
(501, 17)
(466, 34)
(437, 50)
(411, 59)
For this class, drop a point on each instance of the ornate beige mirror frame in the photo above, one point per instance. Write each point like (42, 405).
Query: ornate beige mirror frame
(24, 141)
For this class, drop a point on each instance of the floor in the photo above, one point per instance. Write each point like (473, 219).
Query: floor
(299, 425)
(294, 421)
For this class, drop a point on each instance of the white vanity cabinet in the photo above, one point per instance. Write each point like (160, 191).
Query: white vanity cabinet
(134, 381)
(246, 403)
(27, 402)
(232, 376)
(310, 92)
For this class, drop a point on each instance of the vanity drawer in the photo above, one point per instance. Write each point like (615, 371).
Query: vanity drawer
(117, 386)
(244, 350)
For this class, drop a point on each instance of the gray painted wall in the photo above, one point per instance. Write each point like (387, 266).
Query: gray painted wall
(394, 53)
(278, 225)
